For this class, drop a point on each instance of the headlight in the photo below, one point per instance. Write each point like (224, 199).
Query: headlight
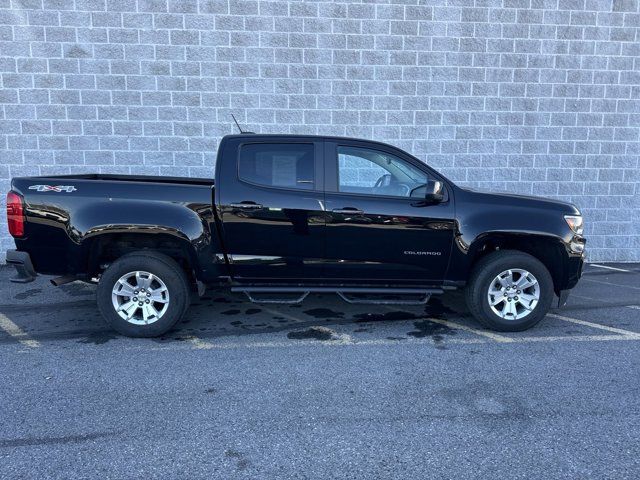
(575, 222)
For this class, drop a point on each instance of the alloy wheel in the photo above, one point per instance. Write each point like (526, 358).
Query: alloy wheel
(513, 294)
(140, 298)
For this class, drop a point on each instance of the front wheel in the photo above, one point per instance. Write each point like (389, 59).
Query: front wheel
(143, 294)
(509, 291)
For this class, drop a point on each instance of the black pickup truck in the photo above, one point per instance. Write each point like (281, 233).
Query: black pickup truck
(289, 215)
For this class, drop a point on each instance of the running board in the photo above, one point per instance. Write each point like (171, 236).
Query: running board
(346, 293)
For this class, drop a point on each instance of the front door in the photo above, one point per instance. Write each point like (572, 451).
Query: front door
(271, 205)
(379, 228)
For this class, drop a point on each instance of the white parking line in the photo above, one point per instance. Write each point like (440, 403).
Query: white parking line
(336, 343)
(609, 268)
(16, 332)
(620, 331)
(493, 336)
(278, 313)
(607, 302)
(410, 341)
(610, 284)
(198, 343)
(577, 338)
(601, 300)
(457, 326)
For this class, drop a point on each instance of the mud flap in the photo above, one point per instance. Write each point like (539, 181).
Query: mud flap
(563, 295)
(22, 263)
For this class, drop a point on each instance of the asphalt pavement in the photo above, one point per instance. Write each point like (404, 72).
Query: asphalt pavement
(321, 390)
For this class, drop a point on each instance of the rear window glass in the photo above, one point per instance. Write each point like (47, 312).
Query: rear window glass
(278, 165)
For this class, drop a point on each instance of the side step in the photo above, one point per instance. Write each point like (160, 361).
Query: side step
(346, 293)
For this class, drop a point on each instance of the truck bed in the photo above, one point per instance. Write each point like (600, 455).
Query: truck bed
(133, 178)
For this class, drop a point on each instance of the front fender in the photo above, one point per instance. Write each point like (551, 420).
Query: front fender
(500, 221)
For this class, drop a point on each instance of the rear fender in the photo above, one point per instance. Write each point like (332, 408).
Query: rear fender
(99, 219)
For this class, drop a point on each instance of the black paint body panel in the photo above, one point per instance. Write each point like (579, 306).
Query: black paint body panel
(294, 236)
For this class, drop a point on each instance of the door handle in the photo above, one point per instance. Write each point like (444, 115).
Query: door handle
(348, 211)
(246, 205)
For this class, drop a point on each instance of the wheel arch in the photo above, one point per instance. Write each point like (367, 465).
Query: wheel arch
(549, 250)
(101, 250)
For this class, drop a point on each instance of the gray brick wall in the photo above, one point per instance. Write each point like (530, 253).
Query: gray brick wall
(531, 96)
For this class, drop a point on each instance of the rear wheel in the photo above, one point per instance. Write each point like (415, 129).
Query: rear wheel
(509, 291)
(143, 294)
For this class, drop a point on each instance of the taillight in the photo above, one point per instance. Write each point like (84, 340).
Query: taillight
(15, 214)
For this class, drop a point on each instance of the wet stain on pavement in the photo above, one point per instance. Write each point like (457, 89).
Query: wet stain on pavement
(572, 332)
(242, 463)
(221, 300)
(427, 328)
(384, 317)
(35, 441)
(313, 333)
(435, 308)
(99, 338)
(210, 390)
(236, 323)
(323, 313)
(252, 311)
(168, 339)
(489, 401)
(28, 293)
(230, 312)
(78, 289)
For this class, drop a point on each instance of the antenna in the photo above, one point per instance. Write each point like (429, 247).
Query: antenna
(237, 124)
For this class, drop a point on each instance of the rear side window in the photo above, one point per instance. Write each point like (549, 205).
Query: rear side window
(285, 165)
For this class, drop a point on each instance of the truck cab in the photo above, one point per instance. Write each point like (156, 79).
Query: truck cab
(331, 210)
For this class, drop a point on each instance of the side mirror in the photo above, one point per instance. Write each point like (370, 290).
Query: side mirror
(434, 191)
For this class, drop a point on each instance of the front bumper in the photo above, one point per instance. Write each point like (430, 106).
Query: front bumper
(574, 272)
(23, 265)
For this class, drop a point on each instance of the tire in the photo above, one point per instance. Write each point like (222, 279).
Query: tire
(161, 286)
(518, 308)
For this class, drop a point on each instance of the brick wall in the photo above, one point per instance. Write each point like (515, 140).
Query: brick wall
(531, 96)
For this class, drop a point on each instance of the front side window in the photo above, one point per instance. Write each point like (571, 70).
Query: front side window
(372, 172)
(278, 165)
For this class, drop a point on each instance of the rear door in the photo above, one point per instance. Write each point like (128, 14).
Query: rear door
(379, 228)
(270, 201)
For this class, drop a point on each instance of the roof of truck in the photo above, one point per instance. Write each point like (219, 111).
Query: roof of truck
(255, 136)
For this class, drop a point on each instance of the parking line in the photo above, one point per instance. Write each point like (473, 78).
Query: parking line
(16, 332)
(411, 341)
(620, 331)
(609, 268)
(482, 333)
(198, 343)
(493, 336)
(337, 342)
(594, 299)
(607, 302)
(576, 338)
(283, 315)
(611, 284)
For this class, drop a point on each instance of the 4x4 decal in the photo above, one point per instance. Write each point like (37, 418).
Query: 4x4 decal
(53, 188)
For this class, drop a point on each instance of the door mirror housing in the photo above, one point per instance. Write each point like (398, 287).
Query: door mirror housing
(434, 191)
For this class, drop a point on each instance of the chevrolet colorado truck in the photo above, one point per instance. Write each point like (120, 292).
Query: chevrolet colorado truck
(289, 215)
